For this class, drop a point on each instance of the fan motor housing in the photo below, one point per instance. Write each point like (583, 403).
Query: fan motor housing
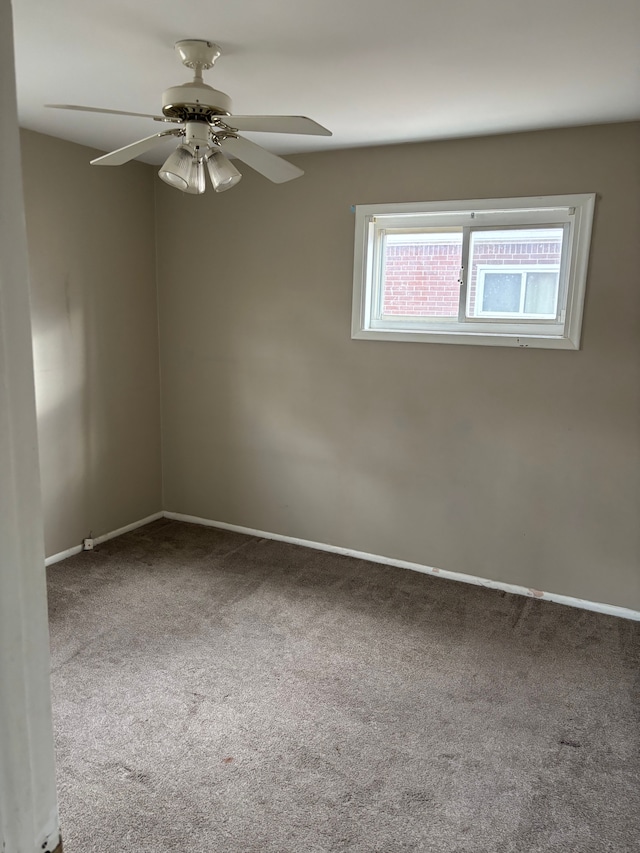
(194, 101)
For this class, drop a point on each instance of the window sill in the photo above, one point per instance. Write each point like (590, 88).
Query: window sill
(522, 341)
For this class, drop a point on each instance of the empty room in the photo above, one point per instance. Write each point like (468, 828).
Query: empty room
(320, 427)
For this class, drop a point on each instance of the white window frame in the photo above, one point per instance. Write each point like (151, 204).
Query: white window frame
(574, 213)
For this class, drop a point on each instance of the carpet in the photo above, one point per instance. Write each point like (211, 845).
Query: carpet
(219, 693)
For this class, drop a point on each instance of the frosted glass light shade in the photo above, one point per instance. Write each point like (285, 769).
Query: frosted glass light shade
(222, 172)
(176, 170)
(196, 181)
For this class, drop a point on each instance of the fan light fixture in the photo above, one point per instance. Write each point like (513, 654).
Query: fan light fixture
(197, 183)
(176, 170)
(184, 170)
(222, 172)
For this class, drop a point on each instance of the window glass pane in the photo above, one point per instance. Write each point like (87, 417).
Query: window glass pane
(502, 261)
(420, 274)
(501, 293)
(541, 293)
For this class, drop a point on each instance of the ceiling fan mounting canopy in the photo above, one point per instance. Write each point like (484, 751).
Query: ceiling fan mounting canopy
(197, 53)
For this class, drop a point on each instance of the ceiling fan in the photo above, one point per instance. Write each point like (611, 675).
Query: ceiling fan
(207, 130)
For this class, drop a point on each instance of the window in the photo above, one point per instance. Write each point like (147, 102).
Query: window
(513, 292)
(503, 272)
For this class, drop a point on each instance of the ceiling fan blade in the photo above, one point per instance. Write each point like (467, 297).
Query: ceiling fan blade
(130, 152)
(278, 124)
(270, 165)
(99, 110)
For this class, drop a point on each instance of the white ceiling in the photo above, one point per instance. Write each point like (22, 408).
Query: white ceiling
(373, 71)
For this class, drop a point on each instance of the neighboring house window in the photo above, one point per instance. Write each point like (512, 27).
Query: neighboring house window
(507, 272)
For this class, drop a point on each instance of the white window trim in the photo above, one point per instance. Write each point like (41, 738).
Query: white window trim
(574, 211)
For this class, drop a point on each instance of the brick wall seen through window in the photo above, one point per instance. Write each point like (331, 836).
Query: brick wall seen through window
(422, 279)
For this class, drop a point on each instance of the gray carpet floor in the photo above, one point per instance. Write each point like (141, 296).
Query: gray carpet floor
(219, 693)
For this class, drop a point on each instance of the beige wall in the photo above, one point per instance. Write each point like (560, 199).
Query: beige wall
(94, 314)
(516, 465)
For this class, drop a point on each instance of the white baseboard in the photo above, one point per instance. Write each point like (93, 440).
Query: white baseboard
(133, 526)
(62, 555)
(55, 558)
(583, 604)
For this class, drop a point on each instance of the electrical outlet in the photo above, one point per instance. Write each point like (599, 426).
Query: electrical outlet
(87, 544)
